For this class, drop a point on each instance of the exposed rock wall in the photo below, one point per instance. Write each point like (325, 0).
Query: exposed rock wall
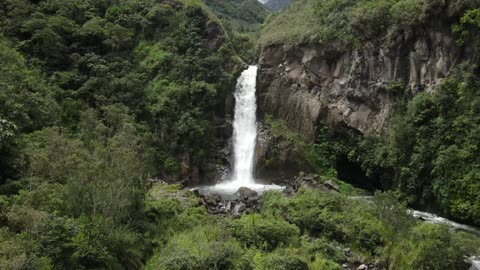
(277, 158)
(349, 87)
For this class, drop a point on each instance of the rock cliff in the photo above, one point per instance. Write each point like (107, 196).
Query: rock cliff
(350, 87)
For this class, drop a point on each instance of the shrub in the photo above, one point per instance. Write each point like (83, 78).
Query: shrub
(317, 213)
(365, 232)
(266, 232)
(371, 18)
(173, 210)
(12, 251)
(205, 247)
(428, 246)
(322, 264)
(328, 249)
(406, 13)
(284, 259)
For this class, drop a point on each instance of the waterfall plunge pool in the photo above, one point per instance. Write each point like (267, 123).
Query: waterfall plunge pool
(228, 189)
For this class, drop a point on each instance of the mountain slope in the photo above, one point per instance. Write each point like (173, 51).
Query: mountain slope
(96, 98)
(296, 23)
(244, 15)
(277, 5)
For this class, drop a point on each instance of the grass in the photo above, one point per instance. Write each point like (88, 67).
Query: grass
(297, 23)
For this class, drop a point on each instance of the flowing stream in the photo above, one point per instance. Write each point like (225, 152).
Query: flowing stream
(432, 218)
(244, 137)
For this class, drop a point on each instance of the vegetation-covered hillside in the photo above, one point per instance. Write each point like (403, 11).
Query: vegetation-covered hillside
(355, 21)
(277, 5)
(311, 230)
(96, 97)
(245, 16)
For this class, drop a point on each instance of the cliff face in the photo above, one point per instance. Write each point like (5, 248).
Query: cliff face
(349, 87)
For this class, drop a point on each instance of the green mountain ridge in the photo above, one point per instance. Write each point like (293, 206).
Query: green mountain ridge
(277, 5)
(246, 16)
(96, 98)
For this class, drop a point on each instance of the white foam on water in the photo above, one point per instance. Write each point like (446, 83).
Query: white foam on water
(232, 187)
(434, 219)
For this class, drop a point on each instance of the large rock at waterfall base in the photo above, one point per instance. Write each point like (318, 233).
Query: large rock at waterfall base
(331, 185)
(239, 209)
(362, 267)
(213, 199)
(246, 193)
(245, 201)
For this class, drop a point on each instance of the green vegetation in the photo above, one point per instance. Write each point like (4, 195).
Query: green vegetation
(170, 78)
(431, 154)
(292, 152)
(309, 231)
(244, 16)
(355, 21)
(277, 5)
(96, 97)
(241, 19)
(100, 99)
(434, 147)
(295, 24)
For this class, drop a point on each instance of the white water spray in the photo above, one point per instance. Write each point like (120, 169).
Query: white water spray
(244, 136)
(245, 127)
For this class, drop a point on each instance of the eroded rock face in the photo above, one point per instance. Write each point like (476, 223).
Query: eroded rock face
(276, 158)
(349, 87)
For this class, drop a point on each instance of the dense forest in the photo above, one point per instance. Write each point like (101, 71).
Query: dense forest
(245, 16)
(110, 110)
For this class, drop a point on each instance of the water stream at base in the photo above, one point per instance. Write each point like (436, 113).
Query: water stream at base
(434, 219)
(244, 137)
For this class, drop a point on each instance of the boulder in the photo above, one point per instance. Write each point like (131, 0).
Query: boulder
(253, 199)
(331, 185)
(213, 199)
(227, 207)
(311, 181)
(239, 209)
(362, 267)
(288, 191)
(245, 193)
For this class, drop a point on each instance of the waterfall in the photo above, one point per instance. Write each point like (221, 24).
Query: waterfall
(245, 127)
(244, 139)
